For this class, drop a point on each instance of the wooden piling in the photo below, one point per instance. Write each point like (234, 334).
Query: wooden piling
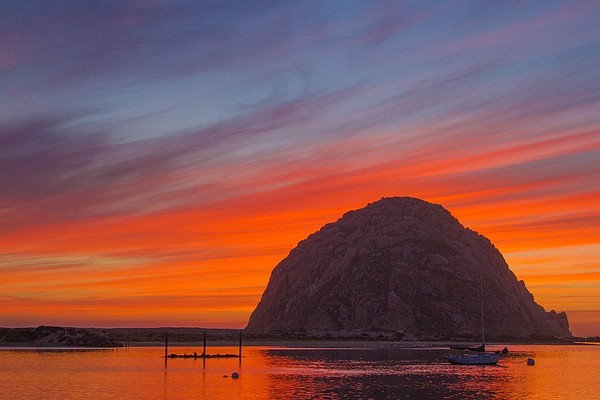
(166, 345)
(204, 355)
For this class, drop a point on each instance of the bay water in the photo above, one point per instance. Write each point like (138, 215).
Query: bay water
(369, 371)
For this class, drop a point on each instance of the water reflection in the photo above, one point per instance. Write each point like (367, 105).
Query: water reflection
(268, 373)
(377, 373)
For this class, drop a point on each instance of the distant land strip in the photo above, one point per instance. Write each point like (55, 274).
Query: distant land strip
(55, 336)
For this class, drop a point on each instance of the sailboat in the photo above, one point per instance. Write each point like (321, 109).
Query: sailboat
(477, 356)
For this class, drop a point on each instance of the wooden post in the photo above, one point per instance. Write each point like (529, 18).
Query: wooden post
(240, 352)
(204, 346)
(166, 345)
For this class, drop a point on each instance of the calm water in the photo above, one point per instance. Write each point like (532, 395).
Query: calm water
(561, 372)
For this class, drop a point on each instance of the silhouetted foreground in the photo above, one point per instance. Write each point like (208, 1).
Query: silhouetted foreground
(54, 336)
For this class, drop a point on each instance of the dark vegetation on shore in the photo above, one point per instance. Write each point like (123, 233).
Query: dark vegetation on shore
(54, 336)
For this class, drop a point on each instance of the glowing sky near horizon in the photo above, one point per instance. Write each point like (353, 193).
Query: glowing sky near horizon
(159, 158)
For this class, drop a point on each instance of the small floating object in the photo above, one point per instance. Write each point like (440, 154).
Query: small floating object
(235, 375)
(530, 361)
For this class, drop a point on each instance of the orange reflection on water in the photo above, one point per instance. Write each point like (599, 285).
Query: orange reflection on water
(283, 373)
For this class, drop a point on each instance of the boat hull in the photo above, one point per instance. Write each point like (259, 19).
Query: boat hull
(475, 359)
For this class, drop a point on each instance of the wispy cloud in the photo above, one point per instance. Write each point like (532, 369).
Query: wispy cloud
(147, 143)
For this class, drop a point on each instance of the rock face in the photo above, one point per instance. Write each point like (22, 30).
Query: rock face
(400, 264)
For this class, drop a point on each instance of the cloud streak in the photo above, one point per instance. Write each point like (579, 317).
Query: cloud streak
(144, 145)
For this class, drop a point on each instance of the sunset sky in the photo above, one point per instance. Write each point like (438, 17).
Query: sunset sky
(159, 158)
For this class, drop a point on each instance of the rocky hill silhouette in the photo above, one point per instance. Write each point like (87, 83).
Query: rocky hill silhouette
(400, 264)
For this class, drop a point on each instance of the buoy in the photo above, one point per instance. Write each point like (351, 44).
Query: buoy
(530, 361)
(235, 375)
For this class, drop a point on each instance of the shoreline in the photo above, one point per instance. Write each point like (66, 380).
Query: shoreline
(68, 337)
(301, 344)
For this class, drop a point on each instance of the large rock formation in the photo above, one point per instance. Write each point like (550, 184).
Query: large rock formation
(400, 264)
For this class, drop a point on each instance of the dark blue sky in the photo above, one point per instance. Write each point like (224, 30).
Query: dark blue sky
(133, 109)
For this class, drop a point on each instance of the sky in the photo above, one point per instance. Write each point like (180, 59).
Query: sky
(159, 158)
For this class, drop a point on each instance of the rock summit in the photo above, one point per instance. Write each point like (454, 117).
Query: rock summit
(405, 265)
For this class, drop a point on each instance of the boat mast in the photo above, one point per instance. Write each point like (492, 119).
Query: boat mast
(481, 297)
